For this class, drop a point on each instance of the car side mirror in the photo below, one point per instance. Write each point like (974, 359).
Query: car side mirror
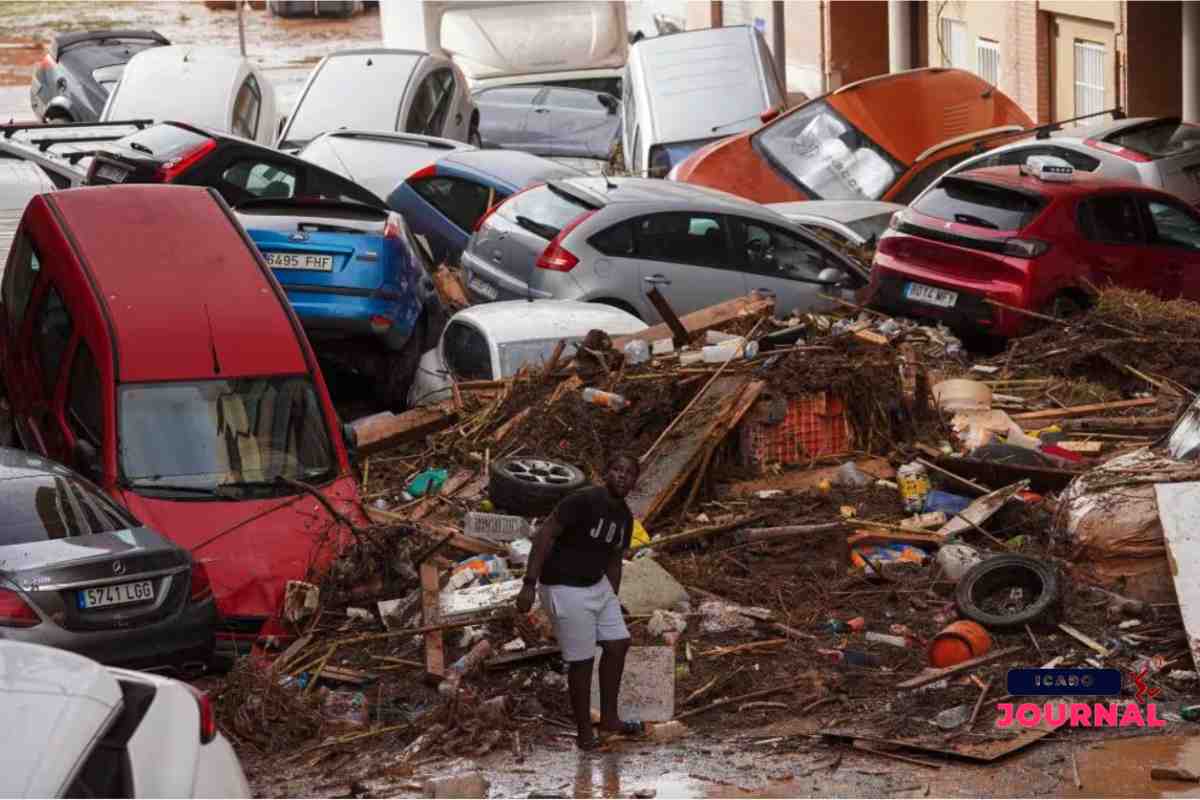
(87, 461)
(609, 102)
(832, 276)
(350, 439)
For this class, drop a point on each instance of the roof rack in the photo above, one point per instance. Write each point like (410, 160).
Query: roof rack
(12, 127)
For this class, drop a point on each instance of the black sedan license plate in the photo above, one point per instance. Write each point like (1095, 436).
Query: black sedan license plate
(116, 594)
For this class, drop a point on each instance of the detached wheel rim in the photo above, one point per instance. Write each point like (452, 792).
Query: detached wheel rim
(537, 471)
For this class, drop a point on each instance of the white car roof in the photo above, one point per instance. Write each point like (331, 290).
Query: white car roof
(523, 321)
(183, 82)
(57, 703)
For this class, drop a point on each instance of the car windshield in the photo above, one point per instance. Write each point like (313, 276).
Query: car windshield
(201, 435)
(1166, 138)
(376, 104)
(43, 507)
(1184, 441)
(830, 158)
(534, 353)
(871, 227)
(979, 204)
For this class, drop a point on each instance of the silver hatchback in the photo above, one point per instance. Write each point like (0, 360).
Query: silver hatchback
(609, 240)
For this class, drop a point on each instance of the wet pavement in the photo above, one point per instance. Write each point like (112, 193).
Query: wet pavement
(286, 49)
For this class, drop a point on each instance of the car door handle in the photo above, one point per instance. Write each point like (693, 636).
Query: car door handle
(656, 280)
(497, 255)
(541, 111)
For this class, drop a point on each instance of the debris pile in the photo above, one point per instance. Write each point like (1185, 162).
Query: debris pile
(849, 520)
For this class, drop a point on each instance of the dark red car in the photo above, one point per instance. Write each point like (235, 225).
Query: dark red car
(144, 342)
(1033, 237)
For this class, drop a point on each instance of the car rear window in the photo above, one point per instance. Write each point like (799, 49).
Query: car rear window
(43, 507)
(542, 210)
(376, 100)
(1167, 138)
(163, 142)
(983, 205)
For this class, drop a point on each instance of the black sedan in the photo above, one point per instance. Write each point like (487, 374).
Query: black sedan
(78, 572)
(72, 81)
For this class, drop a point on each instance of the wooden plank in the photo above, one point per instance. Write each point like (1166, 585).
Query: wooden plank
(929, 676)
(668, 468)
(1081, 411)
(1041, 479)
(507, 427)
(457, 538)
(705, 319)
(435, 658)
(527, 654)
(915, 538)
(449, 288)
(1179, 512)
(679, 333)
(1083, 639)
(385, 429)
(981, 509)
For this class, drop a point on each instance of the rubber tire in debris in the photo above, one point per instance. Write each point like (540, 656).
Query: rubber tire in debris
(993, 575)
(532, 486)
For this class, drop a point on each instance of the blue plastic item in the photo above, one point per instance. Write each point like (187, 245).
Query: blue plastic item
(949, 504)
(428, 482)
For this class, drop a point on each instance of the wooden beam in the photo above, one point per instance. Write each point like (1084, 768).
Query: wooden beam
(929, 676)
(1080, 411)
(385, 429)
(435, 658)
(706, 319)
(679, 333)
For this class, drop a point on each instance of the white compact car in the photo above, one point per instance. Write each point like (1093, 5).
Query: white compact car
(79, 729)
(208, 87)
(494, 340)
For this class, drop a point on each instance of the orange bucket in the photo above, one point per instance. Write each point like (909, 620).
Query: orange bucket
(958, 642)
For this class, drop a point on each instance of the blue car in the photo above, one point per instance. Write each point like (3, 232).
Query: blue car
(444, 200)
(357, 280)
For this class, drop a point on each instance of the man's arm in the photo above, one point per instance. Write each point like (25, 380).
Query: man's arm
(613, 571)
(543, 541)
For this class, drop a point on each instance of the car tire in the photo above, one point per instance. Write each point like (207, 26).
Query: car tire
(532, 486)
(993, 575)
(1063, 306)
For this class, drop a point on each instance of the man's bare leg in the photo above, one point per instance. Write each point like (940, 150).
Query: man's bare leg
(612, 666)
(579, 689)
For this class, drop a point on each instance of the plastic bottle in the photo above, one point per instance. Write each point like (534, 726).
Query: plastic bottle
(914, 486)
(598, 397)
(720, 353)
(637, 352)
(482, 569)
(852, 658)
(1190, 713)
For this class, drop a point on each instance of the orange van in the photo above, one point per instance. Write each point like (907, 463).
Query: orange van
(883, 138)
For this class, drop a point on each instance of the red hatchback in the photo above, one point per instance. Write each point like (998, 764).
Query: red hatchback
(1032, 237)
(144, 342)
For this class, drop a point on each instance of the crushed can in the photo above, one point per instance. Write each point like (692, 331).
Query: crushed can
(914, 486)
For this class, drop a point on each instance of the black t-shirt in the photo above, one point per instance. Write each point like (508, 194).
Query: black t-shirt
(595, 526)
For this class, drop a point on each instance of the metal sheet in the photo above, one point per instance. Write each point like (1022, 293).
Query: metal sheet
(1179, 512)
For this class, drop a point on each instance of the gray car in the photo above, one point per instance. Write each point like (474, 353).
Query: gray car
(609, 240)
(78, 572)
(549, 120)
(852, 223)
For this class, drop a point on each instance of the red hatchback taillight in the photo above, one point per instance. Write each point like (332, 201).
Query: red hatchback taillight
(170, 170)
(556, 257)
(1118, 150)
(423, 173)
(201, 588)
(208, 720)
(392, 229)
(15, 612)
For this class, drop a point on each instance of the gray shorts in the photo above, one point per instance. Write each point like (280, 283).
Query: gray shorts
(582, 616)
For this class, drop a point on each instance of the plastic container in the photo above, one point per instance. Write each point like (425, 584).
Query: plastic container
(598, 397)
(956, 559)
(690, 357)
(887, 638)
(637, 352)
(662, 347)
(519, 550)
(720, 353)
(958, 642)
(717, 337)
(914, 486)
(481, 569)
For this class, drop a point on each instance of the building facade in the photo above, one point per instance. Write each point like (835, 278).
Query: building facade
(1059, 59)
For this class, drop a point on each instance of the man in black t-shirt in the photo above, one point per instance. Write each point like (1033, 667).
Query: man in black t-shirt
(577, 558)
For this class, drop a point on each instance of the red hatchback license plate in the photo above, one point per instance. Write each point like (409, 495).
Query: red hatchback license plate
(117, 594)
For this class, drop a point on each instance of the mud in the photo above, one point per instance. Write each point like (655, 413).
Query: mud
(286, 48)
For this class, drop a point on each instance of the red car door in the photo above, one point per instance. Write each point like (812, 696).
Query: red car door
(1114, 246)
(1174, 243)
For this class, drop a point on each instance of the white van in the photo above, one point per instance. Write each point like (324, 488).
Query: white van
(581, 45)
(683, 90)
(209, 87)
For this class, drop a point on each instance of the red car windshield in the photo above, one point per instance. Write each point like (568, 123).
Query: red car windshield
(828, 157)
(202, 436)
